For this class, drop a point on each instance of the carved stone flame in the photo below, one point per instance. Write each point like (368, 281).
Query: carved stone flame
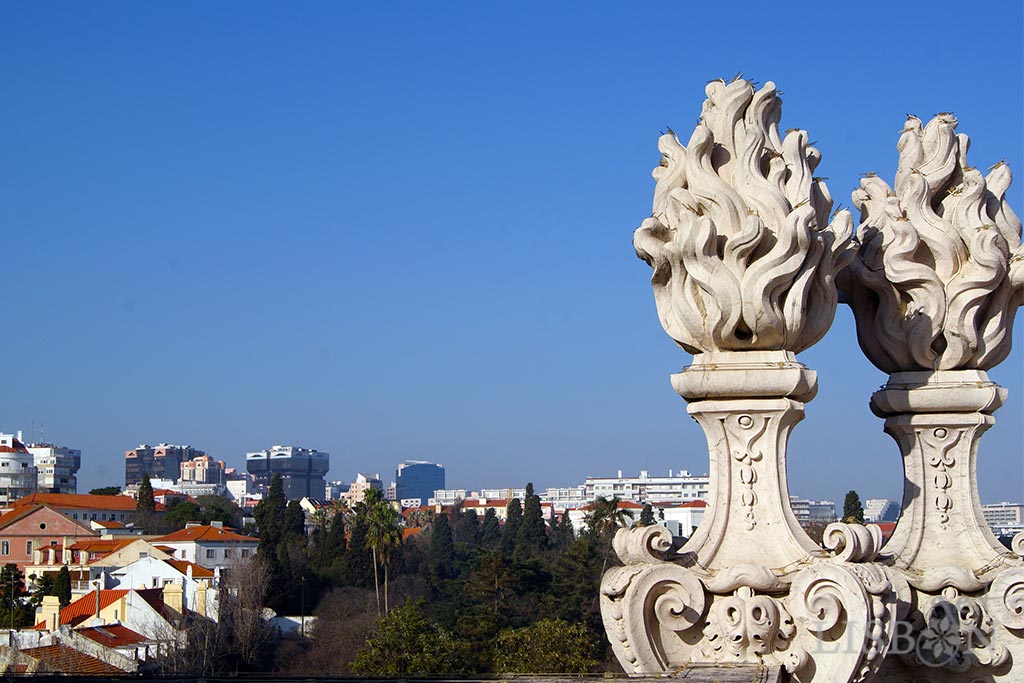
(743, 252)
(940, 271)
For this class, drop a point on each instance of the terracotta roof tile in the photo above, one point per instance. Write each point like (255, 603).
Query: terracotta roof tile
(63, 659)
(112, 635)
(85, 607)
(198, 571)
(79, 500)
(205, 534)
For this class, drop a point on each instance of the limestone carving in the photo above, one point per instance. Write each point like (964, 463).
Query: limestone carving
(745, 259)
(940, 270)
(740, 239)
(934, 288)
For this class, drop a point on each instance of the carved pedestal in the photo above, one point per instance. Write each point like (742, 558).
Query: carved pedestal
(964, 591)
(749, 585)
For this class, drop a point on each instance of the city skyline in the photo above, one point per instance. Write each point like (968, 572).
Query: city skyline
(393, 234)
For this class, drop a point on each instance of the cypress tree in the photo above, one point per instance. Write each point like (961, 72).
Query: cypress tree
(853, 511)
(513, 520)
(490, 530)
(531, 537)
(441, 552)
(62, 586)
(145, 501)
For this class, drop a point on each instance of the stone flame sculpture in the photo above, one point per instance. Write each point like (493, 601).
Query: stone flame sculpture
(934, 288)
(745, 255)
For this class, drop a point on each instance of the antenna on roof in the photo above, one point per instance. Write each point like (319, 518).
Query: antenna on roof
(32, 431)
(41, 432)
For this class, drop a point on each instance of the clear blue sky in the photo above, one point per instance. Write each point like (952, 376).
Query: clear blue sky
(396, 231)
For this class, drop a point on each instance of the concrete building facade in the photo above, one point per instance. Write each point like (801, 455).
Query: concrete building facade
(159, 462)
(302, 470)
(56, 467)
(17, 470)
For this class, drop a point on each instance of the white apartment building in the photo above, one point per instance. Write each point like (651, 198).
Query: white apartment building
(17, 470)
(677, 487)
(358, 488)
(565, 498)
(447, 497)
(808, 511)
(881, 510)
(56, 467)
(1004, 517)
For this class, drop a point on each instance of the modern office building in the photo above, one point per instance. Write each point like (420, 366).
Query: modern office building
(159, 462)
(302, 470)
(418, 479)
(17, 470)
(56, 467)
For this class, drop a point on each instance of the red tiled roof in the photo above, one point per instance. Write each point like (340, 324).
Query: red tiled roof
(694, 504)
(109, 524)
(63, 659)
(409, 532)
(85, 607)
(205, 534)
(81, 501)
(113, 635)
(102, 546)
(198, 571)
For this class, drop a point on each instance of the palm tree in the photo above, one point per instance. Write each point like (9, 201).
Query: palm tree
(605, 515)
(603, 519)
(382, 536)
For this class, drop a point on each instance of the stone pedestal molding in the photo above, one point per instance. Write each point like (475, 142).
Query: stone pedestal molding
(746, 256)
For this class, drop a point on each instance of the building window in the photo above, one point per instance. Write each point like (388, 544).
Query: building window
(28, 548)
(5, 548)
(245, 552)
(229, 552)
(211, 553)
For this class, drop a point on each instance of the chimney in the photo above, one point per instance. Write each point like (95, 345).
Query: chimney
(49, 612)
(97, 612)
(201, 599)
(172, 597)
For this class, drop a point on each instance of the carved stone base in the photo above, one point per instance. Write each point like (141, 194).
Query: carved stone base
(832, 621)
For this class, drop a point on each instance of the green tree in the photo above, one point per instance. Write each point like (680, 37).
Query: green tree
(441, 551)
(294, 521)
(490, 530)
(105, 491)
(15, 612)
(549, 646)
(383, 535)
(853, 511)
(513, 520)
(646, 516)
(531, 537)
(145, 503)
(269, 514)
(406, 643)
(62, 586)
(604, 517)
(564, 534)
(219, 509)
(181, 513)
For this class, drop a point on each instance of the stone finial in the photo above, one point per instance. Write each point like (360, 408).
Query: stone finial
(740, 239)
(940, 270)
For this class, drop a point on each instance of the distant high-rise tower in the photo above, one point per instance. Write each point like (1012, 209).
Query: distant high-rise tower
(159, 462)
(418, 479)
(302, 470)
(56, 466)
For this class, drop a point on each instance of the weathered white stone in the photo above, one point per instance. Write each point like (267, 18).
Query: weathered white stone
(934, 289)
(744, 262)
